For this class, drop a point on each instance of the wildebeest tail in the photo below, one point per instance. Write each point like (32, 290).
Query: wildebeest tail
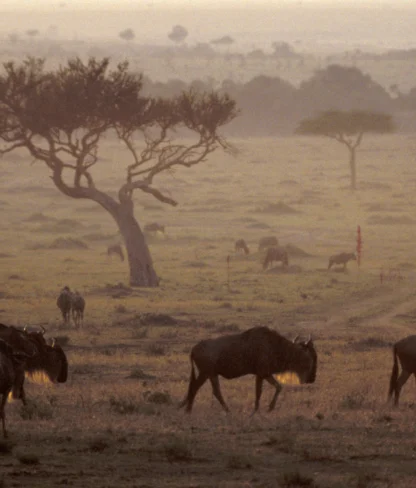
(191, 383)
(394, 373)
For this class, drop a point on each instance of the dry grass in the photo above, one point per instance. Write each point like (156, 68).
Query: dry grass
(115, 422)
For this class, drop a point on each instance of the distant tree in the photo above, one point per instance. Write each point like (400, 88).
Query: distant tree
(127, 35)
(347, 128)
(61, 116)
(283, 49)
(32, 32)
(178, 34)
(223, 41)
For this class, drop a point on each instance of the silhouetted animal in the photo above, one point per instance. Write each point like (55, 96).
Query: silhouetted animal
(259, 351)
(241, 246)
(270, 241)
(11, 376)
(116, 249)
(49, 360)
(64, 303)
(154, 227)
(275, 254)
(78, 307)
(342, 258)
(405, 351)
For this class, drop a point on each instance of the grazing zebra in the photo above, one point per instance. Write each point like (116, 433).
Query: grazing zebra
(78, 307)
(270, 241)
(276, 254)
(116, 249)
(241, 246)
(64, 303)
(342, 258)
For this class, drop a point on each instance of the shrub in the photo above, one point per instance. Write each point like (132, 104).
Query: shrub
(178, 449)
(36, 409)
(296, 479)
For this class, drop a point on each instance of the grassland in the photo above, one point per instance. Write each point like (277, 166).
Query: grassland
(115, 422)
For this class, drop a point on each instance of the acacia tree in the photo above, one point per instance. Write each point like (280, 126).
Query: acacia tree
(347, 128)
(61, 116)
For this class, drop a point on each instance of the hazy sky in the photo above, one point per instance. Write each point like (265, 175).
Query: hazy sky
(97, 4)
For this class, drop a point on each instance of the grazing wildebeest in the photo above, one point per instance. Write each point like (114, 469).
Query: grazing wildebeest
(44, 362)
(241, 246)
(342, 258)
(154, 227)
(270, 241)
(405, 350)
(78, 307)
(64, 303)
(259, 351)
(11, 376)
(116, 249)
(276, 254)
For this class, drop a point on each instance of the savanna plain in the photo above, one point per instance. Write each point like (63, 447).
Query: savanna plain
(116, 422)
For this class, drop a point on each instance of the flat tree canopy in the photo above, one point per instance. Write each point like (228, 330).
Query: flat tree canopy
(347, 128)
(61, 116)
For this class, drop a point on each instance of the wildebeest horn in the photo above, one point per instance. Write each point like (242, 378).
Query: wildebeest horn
(53, 342)
(43, 329)
(296, 338)
(25, 328)
(309, 339)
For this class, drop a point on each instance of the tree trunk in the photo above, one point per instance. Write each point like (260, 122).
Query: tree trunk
(353, 169)
(142, 272)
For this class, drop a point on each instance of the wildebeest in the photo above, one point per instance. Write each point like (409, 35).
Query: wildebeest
(342, 258)
(78, 307)
(259, 351)
(11, 376)
(116, 249)
(270, 241)
(276, 254)
(241, 246)
(64, 303)
(47, 361)
(405, 351)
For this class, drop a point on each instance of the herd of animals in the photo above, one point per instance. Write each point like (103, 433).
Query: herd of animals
(279, 254)
(259, 351)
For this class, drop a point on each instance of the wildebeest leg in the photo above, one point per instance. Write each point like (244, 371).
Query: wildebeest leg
(2, 413)
(193, 390)
(217, 392)
(404, 376)
(272, 380)
(259, 387)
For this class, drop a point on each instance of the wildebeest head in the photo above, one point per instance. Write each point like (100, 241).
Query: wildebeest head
(309, 347)
(51, 362)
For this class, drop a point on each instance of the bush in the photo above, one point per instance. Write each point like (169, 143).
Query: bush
(178, 450)
(36, 409)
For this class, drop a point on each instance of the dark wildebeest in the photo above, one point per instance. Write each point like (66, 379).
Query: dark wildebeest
(270, 241)
(154, 227)
(45, 362)
(78, 307)
(11, 376)
(276, 254)
(64, 303)
(405, 350)
(342, 258)
(241, 246)
(116, 249)
(259, 351)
